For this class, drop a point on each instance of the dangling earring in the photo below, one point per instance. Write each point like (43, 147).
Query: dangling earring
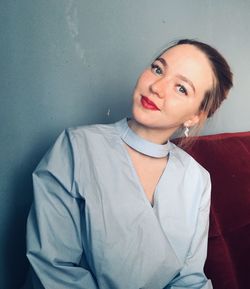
(186, 132)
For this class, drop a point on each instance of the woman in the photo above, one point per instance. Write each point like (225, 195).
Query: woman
(119, 205)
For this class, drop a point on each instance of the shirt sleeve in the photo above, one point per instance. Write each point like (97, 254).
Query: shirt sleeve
(54, 242)
(192, 274)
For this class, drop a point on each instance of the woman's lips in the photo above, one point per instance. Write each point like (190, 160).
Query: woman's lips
(148, 104)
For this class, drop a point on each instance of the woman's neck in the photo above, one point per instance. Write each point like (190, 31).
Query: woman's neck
(151, 134)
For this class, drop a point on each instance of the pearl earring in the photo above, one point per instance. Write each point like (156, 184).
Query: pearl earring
(186, 132)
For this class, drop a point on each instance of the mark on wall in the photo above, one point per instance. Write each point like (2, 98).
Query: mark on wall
(108, 112)
(73, 25)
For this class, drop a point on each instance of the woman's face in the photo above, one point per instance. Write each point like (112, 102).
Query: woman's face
(169, 93)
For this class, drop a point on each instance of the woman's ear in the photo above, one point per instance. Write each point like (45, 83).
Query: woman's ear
(198, 118)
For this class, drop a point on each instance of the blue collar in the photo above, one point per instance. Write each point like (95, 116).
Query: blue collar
(140, 144)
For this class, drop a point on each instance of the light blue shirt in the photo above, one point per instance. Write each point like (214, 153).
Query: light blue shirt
(91, 225)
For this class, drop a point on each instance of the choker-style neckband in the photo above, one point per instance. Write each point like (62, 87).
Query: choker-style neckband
(140, 144)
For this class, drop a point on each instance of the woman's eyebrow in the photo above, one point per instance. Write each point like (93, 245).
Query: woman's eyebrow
(182, 77)
(162, 60)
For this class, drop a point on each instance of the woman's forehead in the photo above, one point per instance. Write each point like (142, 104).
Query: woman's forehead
(190, 62)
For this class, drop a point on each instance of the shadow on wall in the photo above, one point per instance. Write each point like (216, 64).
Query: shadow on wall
(14, 262)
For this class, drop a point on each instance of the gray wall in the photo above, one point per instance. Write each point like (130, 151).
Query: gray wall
(69, 62)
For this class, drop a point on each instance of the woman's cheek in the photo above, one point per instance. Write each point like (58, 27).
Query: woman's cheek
(145, 78)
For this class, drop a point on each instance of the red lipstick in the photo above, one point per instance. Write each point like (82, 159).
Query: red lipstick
(148, 104)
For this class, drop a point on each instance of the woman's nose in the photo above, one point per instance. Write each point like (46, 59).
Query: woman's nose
(158, 87)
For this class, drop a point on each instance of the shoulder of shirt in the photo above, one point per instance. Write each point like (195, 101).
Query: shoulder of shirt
(187, 161)
(83, 130)
(87, 134)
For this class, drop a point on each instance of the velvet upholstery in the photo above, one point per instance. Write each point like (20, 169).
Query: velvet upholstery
(227, 158)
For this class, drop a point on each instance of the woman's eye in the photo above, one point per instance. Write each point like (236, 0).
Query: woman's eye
(182, 89)
(156, 69)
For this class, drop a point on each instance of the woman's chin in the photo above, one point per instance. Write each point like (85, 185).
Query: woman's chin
(143, 116)
(143, 120)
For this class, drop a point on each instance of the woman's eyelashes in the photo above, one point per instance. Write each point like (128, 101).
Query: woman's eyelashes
(156, 69)
(182, 89)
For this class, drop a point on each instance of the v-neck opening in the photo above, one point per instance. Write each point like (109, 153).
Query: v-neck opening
(138, 181)
(158, 183)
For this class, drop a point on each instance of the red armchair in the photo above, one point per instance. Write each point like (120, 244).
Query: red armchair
(227, 158)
